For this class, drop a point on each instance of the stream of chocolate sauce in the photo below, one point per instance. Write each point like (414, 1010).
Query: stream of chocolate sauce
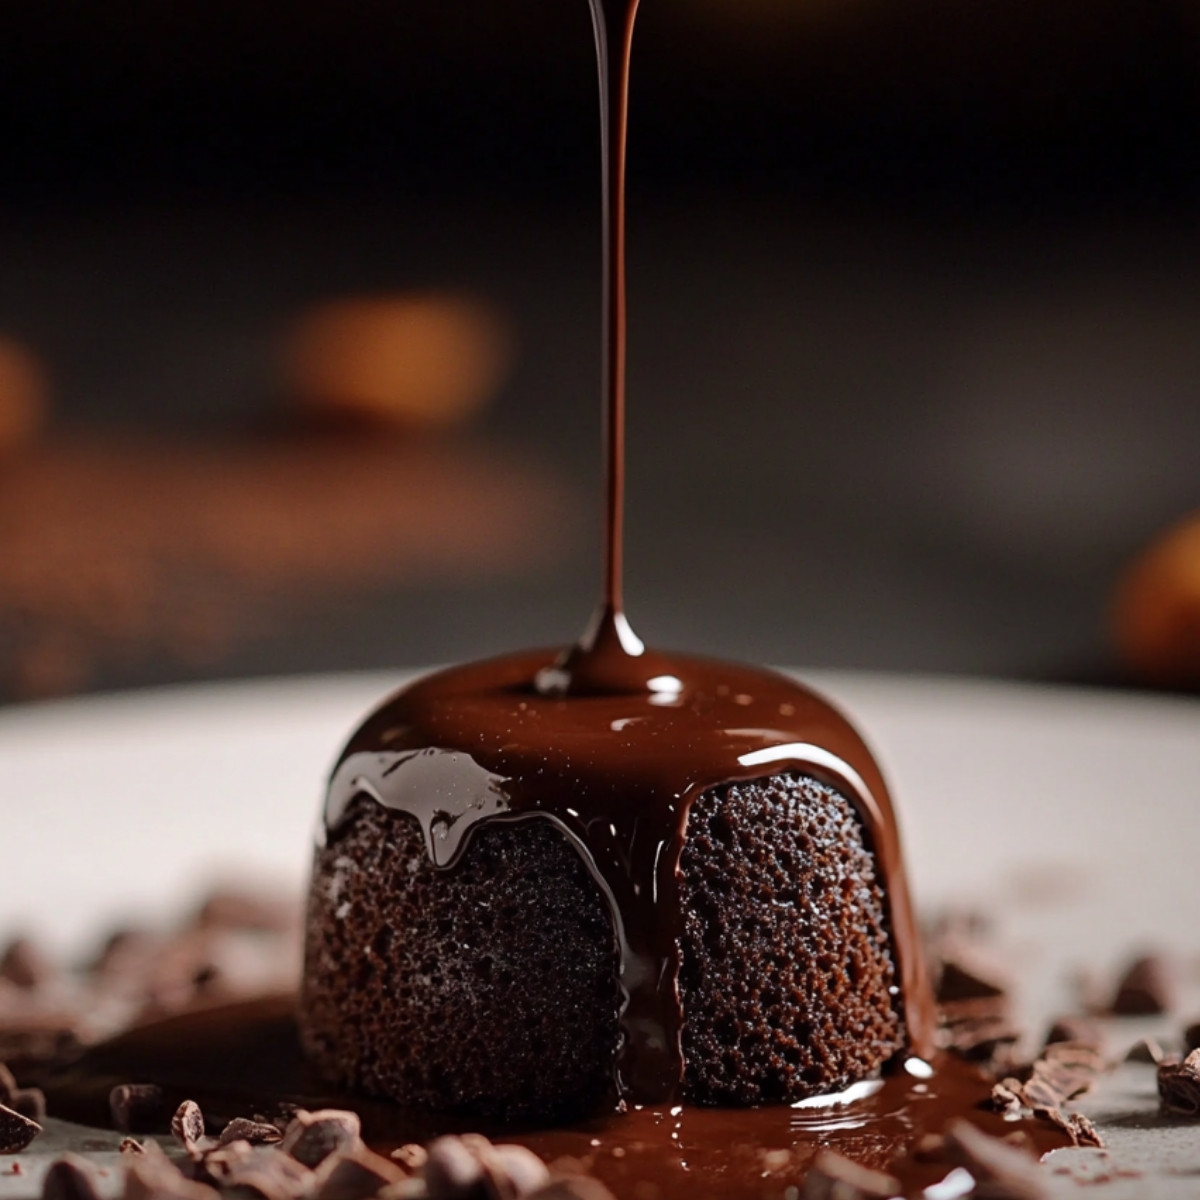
(612, 741)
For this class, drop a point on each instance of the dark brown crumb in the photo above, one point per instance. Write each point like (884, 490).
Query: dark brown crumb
(313, 1136)
(16, 1131)
(833, 1177)
(1147, 988)
(136, 1107)
(1179, 1085)
(70, 1178)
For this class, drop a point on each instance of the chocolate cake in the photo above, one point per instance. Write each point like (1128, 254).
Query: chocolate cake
(519, 912)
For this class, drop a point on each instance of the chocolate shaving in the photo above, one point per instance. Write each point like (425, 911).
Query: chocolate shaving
(355, 1174)
(187, 1125)
(979, 1030)
(1146, 989)
(1075, 1125)
(16, 1131)
(1001, 1171)
(833, 1177)
(968, 973)
(136, 1107)
(313, 1136)
(256, 1133)
(1179, 1085)
(71, 1178)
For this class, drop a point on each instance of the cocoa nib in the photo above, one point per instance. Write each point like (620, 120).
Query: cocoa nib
(257, 1133)
(1147, 988)
(187, 1125)
(136, 1107)
(313, 1136)
(1179, 1085)
(16, 1131)
(833, 1177)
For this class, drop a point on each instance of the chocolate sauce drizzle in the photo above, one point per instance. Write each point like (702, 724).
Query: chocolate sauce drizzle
(613, 742)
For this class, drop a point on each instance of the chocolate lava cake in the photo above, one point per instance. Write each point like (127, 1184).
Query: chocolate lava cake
(490, 987)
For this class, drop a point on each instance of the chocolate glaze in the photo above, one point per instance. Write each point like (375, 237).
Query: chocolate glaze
(613, 742)
(617, 772)
(243, 1059)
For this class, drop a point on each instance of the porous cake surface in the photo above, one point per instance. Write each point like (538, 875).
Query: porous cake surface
(490, 987)
(786, 973)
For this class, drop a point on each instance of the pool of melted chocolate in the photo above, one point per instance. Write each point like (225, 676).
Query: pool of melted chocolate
(245, 1058)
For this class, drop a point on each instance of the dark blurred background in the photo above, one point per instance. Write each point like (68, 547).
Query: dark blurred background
(915, 348)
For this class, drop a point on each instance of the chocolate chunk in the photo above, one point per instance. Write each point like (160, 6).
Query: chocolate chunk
(71, 1178)
(1179, 1085)
(969, 973)
(1191, 1037)
(452, 1171)
(261, 1169)
(1001, 1171)
(355, 1174)
(573, 1187)
(1075, 1125)
(1079, 1030)
(16, 1131)
(513, 1171)
(313, 1136)
(152, 1176)
(136, 1107)
(1145, 1050)
(256, 1133)
(24, 965)
(187, 1125)
(411, 1157)
(979, 1030)
(251, 912)
(1008, 1096)
(833, 1177)
(130, 1146)
(1146, 989)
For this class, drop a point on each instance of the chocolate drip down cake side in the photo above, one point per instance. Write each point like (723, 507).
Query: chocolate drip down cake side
(551, 884)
